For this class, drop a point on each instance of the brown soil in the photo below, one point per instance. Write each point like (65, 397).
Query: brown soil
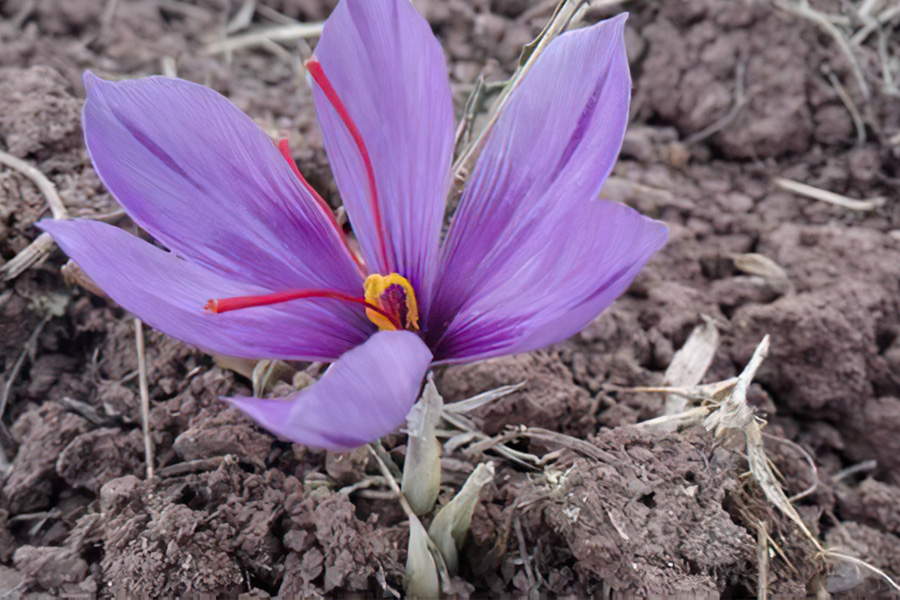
(234, 510)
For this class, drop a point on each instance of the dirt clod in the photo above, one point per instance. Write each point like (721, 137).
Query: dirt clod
(650, 520)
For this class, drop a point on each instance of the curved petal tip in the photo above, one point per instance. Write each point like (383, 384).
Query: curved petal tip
(366, 394)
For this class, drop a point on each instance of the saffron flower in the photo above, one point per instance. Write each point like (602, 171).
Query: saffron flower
(257, 266)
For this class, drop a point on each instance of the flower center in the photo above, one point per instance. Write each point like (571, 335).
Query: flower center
(394, 295)
(389, 300)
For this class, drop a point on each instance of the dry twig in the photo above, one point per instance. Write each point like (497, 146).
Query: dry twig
(866, 465)
(145, 395)
(277, 33)
(845, 97)
(824, 23)
(861, 563)
(242, 18)
(809, 461)
(762, 559)
(740, 101)
(815, 193)
(42, 245)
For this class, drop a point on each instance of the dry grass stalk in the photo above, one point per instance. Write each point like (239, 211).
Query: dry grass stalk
(762, 559)
(277, 33)
(833, 554)
(821, 20)
(43, 244)
(145, 395)
(815, 193)
(740, 101)
(242, 18)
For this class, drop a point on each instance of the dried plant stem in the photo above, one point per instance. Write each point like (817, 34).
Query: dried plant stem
(809, 191)
(274, 16)
(242, 18)
(42, 245)
(145, 395)
(825, 24)
(108, 14)
(809, 461)
(866, 7)
(278, 33)
(740, 101)
(874, 23)
(194, 466)
(391, 481)
(855, 115)
(184, 9)
(524, 555)
(57, 208)
(564, 13)
(861, 563)
(762, 559)
(735, 416)
(32, 253)
(866, 465)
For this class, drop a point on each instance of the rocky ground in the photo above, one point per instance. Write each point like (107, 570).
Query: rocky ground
(733, 101)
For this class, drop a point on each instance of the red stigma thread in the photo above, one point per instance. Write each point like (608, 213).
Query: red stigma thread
(229, 304)
(285, 150)
(318, 75)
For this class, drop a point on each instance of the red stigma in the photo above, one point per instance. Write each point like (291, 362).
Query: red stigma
(218, 306)
(285, 150)
(318, 75)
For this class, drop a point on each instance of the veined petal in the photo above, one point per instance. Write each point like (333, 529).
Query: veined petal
(556, 282)
(552, 147)
(388, 70)
(364, 395)
(169, 293)
(202, 178)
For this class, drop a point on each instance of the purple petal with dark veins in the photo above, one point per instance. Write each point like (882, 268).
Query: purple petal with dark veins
(389, 71)
(169, 293)
(366, 394)
(530, 245)
(565, 274)
(202, 178)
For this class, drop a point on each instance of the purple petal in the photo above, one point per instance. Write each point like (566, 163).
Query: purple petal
(202, 178)
(552, 147)
(389, 71)
(363, 396)
(169, 293)
(565, 274)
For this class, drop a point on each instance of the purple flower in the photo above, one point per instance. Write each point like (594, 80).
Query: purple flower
(531, 257)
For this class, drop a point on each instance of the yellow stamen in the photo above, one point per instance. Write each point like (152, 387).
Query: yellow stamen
(393, 294)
